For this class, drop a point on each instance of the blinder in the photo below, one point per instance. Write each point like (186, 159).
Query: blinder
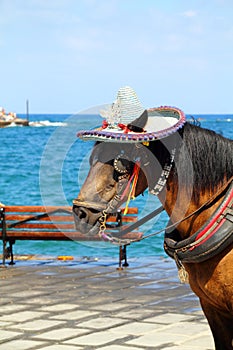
(121, 164)
(121, 157)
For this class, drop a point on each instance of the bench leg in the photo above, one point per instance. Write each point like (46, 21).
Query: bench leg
(4, 240)
(122, 256)
(10, 250)
(125, 256)
(4, 249)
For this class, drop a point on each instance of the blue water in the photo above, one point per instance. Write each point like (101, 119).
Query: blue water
(46, 164)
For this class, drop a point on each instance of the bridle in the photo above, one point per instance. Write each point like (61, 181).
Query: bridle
(141, 156)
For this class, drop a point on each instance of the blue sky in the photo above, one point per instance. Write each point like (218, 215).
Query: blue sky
(68, 55)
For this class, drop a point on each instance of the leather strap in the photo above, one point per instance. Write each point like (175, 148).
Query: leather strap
(211, 239)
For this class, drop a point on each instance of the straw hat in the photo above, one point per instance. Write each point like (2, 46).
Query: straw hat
(127, 121)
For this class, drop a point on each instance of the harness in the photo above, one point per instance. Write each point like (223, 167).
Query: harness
(211, 239)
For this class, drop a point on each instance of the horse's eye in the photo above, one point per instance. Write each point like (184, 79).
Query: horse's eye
(121, 165)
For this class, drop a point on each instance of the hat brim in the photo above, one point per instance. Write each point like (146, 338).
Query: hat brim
(162, 122)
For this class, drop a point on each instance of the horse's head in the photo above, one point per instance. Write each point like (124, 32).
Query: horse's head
(106, 187)
(128, 148)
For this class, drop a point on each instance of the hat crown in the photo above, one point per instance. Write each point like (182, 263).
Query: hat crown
(130, 105)
(124, 109)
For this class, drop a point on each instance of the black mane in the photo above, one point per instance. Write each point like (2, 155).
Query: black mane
(211, 157)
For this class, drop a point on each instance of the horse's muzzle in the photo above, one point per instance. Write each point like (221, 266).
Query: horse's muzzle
(86, 220)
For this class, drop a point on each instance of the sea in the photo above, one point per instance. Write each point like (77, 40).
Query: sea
(46, 164)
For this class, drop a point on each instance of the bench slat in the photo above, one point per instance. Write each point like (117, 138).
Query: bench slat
(64, 218)
(35, 208)
(58, 235)
(20, 217)
(42, 226)
(43, 209)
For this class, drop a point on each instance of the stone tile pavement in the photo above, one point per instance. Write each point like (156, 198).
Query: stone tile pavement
(88, 304)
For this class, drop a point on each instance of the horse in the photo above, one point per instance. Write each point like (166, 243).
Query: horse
(191, 173)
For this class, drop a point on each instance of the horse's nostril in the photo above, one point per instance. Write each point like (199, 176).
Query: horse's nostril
(82, 214)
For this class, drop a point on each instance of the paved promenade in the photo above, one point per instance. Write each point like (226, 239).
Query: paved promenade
(88, 304)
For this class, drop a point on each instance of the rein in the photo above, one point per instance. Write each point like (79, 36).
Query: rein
(119, 241)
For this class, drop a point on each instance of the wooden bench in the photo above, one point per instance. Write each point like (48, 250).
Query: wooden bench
(57, 224)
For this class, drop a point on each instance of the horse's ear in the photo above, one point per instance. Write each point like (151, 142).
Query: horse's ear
(138, 124)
